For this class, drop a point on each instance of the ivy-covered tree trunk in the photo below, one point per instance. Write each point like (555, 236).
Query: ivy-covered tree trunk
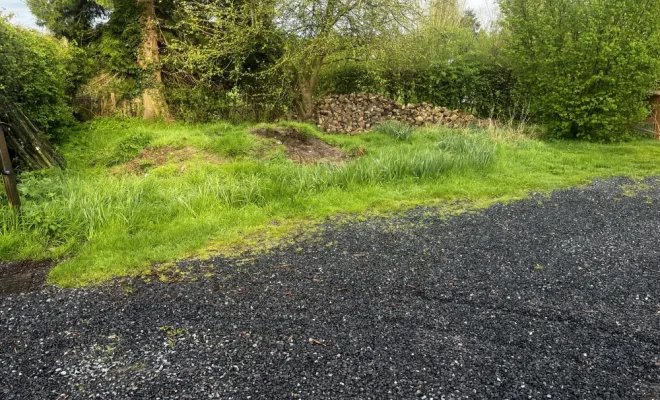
(153, 99)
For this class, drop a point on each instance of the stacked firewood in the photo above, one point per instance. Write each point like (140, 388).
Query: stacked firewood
(357, 113)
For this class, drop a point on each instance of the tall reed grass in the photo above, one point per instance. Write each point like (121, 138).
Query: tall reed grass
(65, 209)
(106, 223)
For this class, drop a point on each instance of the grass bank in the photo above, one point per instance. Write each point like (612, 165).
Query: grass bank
(136, 194)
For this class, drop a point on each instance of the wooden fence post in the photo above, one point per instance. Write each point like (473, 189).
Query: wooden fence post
(655, 113)
(7, 172)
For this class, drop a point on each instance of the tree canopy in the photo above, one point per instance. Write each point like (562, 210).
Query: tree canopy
(586, 66)
(583, 68)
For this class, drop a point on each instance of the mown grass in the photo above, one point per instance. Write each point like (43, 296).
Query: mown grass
(106, 221)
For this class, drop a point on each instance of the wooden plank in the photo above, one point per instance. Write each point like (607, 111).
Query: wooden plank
(8, 175)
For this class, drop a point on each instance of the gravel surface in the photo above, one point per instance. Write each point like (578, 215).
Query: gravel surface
(551, 297)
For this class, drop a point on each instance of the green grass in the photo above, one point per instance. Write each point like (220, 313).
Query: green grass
(105, 221)
(395, 129)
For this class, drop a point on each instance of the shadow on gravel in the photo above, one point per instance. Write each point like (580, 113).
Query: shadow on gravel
(23, 276)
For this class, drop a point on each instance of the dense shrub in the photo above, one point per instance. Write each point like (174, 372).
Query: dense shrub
(586, 66)
(37, 73)
(204, 103)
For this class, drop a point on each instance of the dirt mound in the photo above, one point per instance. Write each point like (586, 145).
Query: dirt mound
(158, 156)
(302, 148)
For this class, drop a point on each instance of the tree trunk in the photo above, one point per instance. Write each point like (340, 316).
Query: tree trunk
(306, 103)
(153, 99)
(307, 82)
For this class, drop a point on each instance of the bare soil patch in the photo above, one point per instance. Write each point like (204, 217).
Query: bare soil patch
(23, 276)
(302, 148)
(155, 157)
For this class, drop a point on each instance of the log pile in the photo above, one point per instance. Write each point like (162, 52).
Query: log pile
(357, 113)
(29, 145)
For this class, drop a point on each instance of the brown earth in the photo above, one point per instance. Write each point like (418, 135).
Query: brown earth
(156, 157)
(23, 276)
(302, 148)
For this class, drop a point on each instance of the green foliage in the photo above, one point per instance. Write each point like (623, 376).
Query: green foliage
(222, 64)
(233, 143)
(585, 66)
(115, 46)
(130, 147)
(396, 129)
(72, 19)
(37, 73)
(445, 66)
(210, 102)
(108, 223)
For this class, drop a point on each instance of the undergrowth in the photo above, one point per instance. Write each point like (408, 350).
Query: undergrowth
(104, 221)
(396, 129)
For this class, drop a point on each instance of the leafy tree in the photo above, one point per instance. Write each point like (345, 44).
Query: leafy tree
(470, 21)
(223, 62)
(224, 41)
(101, 26)
(586, 65)
(37, 73)
(73, 19)
(444, 13)
(316, 32)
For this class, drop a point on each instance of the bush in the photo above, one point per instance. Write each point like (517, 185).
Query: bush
(37, 73)
(351, 77)
(198, 103)
(586, 66)
(130, 147)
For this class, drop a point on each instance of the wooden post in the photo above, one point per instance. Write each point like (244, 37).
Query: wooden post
(655, 113)
(7, 172)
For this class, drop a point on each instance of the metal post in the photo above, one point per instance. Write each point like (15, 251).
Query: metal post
(7, 172)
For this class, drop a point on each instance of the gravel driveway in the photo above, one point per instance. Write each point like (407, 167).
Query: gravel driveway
(551, 297)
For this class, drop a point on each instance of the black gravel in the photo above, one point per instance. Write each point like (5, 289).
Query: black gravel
(551, 297)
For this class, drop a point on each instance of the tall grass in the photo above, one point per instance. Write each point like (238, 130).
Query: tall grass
(111, 224)
(395, 129)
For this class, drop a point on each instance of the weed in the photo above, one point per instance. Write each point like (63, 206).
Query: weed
(130, 147)
(395, 129)
(231, 144)
(172, 334)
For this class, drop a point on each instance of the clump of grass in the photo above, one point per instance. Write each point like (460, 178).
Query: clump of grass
(469, 149)
(231, 144)
(129, 148)
(395, 129)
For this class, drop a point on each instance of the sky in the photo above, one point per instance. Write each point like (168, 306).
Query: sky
(485, 10)
(22, 14)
